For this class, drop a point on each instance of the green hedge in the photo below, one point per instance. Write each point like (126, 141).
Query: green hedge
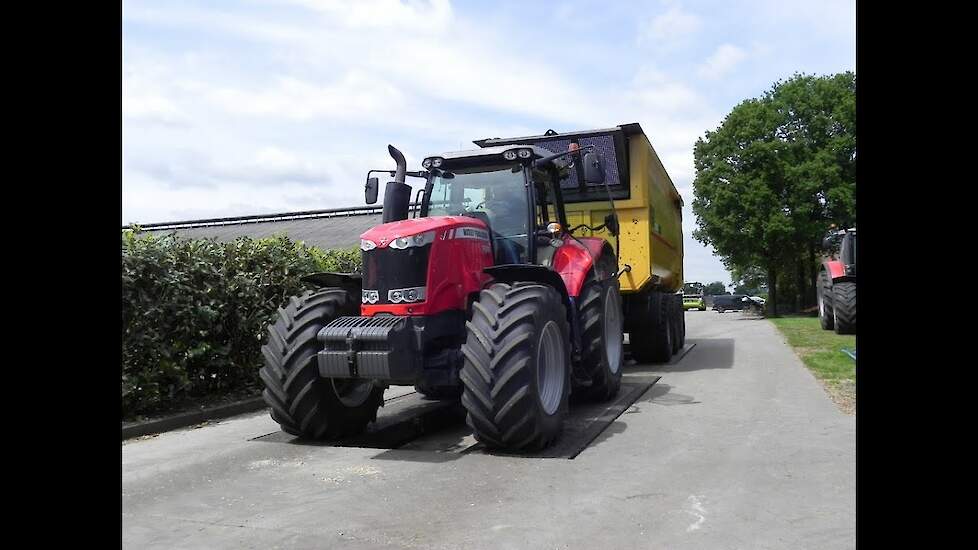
(194, 312)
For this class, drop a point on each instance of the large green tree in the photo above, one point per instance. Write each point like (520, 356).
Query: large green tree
(775, 174)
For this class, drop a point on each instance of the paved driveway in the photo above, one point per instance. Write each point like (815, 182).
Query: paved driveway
(737, 446)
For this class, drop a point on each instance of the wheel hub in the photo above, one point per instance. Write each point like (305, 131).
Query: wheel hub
(351, 393)
(550, 367)
(613, 344)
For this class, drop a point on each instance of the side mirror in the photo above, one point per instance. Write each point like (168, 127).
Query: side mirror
(611, 222)
(370, 190)
(593, 168)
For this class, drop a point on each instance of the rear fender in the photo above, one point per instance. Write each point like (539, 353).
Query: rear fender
(575, 257)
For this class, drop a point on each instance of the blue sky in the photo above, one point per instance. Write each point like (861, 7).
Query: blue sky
(253, 106)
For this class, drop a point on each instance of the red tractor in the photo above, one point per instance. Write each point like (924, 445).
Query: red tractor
(837, 283)
(485, 294)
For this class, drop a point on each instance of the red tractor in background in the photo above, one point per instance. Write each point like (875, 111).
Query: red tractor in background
(837, 283)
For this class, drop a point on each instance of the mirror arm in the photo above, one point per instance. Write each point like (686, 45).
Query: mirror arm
(540, 162)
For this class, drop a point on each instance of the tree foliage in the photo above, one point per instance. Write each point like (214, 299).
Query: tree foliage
(776, 173)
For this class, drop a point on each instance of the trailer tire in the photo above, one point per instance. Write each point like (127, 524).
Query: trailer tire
(651, 338)
(677, 319)
(844, 307)
(824, 295)
(303, 403)
(602, 338)
(516, 372)
(682, 326)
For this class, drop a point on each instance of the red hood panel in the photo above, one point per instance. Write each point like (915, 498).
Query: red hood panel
(382, 235)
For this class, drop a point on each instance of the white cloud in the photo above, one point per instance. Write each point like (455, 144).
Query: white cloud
(424, 15)
(355, 95)
(670, 29)
(724, 60)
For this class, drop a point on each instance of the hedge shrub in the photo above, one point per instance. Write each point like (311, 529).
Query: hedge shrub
(194, 311)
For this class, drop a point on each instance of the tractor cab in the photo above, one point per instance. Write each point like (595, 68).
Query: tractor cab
(513, 190)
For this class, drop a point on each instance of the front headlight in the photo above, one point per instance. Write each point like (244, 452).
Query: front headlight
(420, 239)
(366, 245)
(413, 294)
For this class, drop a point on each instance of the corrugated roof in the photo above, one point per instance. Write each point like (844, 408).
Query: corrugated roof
(326, 231)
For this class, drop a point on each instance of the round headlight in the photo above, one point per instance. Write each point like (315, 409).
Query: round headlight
(366, 245)
(396, 296)
(509, 155)
(401, 242)
(524, 153)
(412, 295)
(418, 239)
(436, 162)
(426, 163)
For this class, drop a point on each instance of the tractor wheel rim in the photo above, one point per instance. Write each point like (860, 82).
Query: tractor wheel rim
(612, 331)
(352, 393)
(550, 367)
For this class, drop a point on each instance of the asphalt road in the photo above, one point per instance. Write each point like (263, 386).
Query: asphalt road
(737, 446)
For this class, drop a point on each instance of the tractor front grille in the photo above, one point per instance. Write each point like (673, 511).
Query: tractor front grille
(386, 269)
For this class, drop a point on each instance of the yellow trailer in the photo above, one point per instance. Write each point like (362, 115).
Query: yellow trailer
(649, 243)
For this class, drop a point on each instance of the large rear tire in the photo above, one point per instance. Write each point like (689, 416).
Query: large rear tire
(303, 403)
(824, 293)
(844, 307)
(516, 373)
(602, 339)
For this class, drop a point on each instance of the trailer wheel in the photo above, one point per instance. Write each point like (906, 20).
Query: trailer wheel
(844, 307)
(602, 338)
(303, 403)
(824, 293)
(676, 315)
(651, 340)
(516, 373)
(682, 326)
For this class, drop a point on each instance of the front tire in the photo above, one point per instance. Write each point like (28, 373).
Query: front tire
(516, 373)
(303, 403)
(844, 307)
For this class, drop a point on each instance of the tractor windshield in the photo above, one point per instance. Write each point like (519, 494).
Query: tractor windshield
(496, 195)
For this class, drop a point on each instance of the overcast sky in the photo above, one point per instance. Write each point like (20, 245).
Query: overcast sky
(254, 106)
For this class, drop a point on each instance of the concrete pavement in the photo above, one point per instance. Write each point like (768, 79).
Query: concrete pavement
(737, 446)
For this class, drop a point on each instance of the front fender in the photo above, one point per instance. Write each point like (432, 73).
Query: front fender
(352, 282)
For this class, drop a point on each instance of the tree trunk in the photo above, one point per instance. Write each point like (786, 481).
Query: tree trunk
(772, 296)
(802, 287)
(813, 275)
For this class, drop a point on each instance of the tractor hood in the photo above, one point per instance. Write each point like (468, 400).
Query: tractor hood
(381, 236)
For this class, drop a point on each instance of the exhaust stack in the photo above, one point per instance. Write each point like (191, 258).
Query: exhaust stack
(397, 194)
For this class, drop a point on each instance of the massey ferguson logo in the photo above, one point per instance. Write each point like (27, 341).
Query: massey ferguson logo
(383, 241)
